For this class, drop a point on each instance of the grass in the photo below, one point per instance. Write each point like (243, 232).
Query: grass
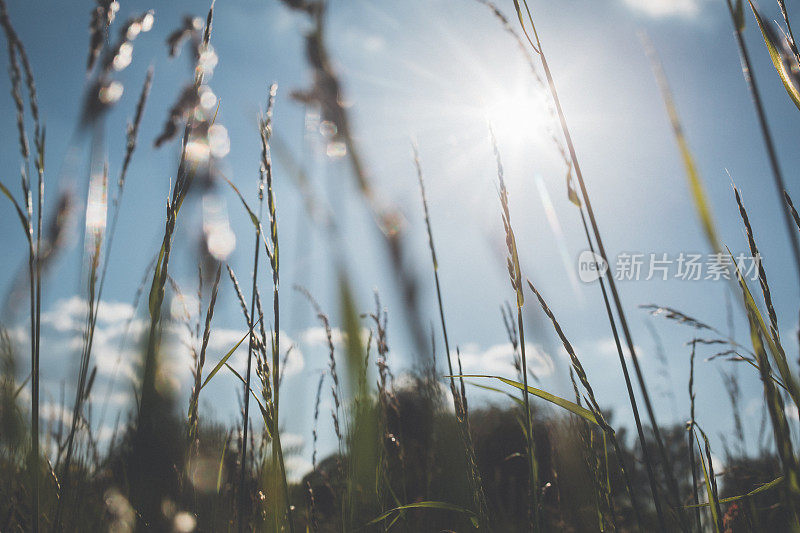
(515, 276)
(408, 457)
(737, 17)
(459, 395)
(537, 47)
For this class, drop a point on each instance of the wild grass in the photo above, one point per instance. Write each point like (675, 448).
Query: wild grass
(17, 56)
(459, 394)
(406, 456)
(527, 23)
(737, 17)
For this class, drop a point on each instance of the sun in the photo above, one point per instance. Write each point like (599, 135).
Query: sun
(518, 114)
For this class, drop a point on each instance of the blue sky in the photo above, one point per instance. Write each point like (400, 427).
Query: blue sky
(434, 72)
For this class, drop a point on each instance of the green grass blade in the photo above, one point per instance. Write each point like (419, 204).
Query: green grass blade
(21, 386)
(763, 488)
(253, 218)
(774, 347)
(552, 398)
(427, 505)
(782, 60)
(224, 362)
(696, 187)
(221, 465)
(264, 412)
(20, 214)
(495, 389)
(227, 356)
(774, 401)
(712, 499)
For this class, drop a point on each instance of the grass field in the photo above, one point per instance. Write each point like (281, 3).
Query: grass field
(413, 449)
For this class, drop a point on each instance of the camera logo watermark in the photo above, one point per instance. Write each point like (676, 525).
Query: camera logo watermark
(634, 266)
(591, 266)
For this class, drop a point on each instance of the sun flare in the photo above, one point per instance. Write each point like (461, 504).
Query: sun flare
(518, 115)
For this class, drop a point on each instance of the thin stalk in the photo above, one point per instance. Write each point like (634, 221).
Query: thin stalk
(130, 147)
(26, 225)
(632, 396)
(92, 256)
(614, 293)
(327, 92)
(532, 466)
(81, 390)
(246, 393)
(667, 467)
(194, 431)
(459, 400)
(95, 297)
(33, 267)
(777, 175)
(146, 495)
(692, 462)
(515, 276)
(15, 48)
(762, 274)
(265, 181)
(37, 338)
(435, 265)
(576, 368)
(277, 449)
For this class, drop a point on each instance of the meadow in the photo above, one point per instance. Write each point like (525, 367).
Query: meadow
(415, 445)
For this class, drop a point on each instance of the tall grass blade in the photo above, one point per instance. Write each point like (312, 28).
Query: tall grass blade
(774, 401)
(672, 484)
(428, 505)
(572, 407)
(710, 486)
(730, 499)
(785, 62)
(749, 76)
(515, 276)
(762, 274)
(459, 398)
(696, 187)
(691, 436)
(576, 368)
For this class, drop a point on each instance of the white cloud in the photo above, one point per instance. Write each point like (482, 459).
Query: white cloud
(18, 334)
(118, 399)
(110, 360)
(104, 433)
(297, 467)
(70, 314)
(316, 336)
(183, 306)
(55, 413)
(665, 8)
(116, 348)
(498, 360)
(295, 362)
(292, 440)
